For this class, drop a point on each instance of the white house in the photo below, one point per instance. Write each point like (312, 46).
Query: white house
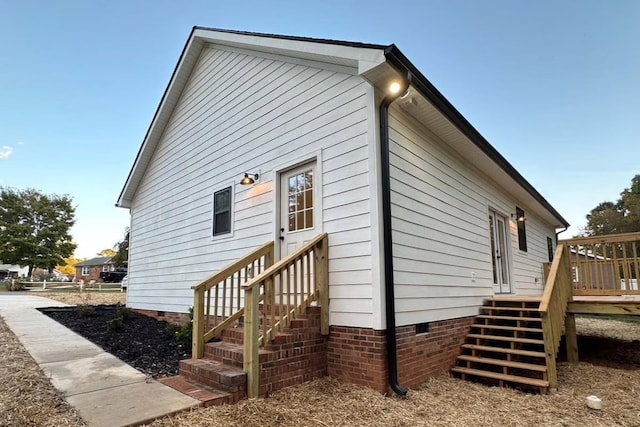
(307, 119)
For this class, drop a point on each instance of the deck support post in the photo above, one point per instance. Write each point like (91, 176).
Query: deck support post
(571, 337)
(251, 361)
(197, 340)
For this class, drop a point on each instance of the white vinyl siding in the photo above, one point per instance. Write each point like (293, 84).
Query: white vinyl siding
(440, 208)
(241, 112)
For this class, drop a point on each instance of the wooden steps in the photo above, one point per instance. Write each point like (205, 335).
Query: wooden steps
(505, 346)
(503, 377)
(518, 365)
(504, 350)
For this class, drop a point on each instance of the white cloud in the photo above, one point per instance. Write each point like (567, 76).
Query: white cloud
(5, 152)
(20, 142)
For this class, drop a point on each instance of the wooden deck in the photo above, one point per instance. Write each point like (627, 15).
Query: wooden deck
(606, 304)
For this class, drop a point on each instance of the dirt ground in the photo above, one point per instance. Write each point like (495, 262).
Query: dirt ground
(609, 369)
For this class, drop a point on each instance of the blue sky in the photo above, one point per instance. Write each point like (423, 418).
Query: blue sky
(553, 85)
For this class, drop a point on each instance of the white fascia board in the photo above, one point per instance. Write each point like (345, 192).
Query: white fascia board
(323, 52)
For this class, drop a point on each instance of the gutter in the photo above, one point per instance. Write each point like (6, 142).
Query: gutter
(390, 309)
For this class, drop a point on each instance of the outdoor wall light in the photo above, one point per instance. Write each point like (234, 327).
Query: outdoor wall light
(517, 218)
(249, 179)
(394, 87)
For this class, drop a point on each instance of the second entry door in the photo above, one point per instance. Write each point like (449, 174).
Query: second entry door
(499, 252)
(298, 208)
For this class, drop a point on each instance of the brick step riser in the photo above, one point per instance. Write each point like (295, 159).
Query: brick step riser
(233, 354)
(219, 377)
(290, 334)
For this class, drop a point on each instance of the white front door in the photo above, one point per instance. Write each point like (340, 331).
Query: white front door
(298, 208)
(499, 252)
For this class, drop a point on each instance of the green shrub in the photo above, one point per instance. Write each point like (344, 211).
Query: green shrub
(183, 333)
(116, 324)
(86, 310)
(122, 311)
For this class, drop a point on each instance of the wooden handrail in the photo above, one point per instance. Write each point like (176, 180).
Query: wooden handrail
(280, 265)
(607, 238)
(216, 278)
(553, 308)
(226, 287)
(286, 289)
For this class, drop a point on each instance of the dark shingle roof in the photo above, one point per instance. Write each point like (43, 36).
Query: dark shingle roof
(101, 260)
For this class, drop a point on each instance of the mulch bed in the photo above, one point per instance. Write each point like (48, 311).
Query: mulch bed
(142, 342)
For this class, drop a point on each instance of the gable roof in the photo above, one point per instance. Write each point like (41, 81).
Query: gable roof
(101, 260)
(373, 61)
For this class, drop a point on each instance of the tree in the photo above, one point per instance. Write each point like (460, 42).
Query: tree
(121, 257)
(623, 216)
(68, 267)
(107, 252)
(34, 228)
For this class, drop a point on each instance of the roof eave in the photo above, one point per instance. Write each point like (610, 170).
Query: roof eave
(397, 59)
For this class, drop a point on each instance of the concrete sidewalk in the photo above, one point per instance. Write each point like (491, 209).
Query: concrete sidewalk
(103, 389)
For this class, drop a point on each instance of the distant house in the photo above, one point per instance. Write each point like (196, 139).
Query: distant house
(91, 269)
(10, 271)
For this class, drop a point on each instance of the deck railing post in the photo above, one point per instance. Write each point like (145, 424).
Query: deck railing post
(322, 283)
(251, 362)
(197, 341)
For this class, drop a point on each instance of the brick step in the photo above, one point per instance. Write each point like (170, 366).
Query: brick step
(533, 382)
(216, 375)
(503, 338)
(233, 354)
(303, 324)
(527, 353)
(501, 362)
(507, 328)
(207, 395)
(511, 318)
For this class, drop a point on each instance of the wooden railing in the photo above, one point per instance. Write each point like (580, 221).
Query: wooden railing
(285, 290)
(219, 300)
(605, 265)
(553, 308)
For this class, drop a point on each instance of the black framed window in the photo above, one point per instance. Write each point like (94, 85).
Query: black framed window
(222, 212)
(522, 232)
(550, 248)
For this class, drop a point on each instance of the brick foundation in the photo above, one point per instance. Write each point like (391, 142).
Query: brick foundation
(354, 355)
(358, 355)
(168, 316)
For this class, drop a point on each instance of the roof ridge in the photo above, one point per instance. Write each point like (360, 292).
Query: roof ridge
(297, 38)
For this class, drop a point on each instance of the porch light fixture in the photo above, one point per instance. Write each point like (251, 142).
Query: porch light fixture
(517, 218)
(394, 87)
(249, 179)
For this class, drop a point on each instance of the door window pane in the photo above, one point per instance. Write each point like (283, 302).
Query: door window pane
(300, 188)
